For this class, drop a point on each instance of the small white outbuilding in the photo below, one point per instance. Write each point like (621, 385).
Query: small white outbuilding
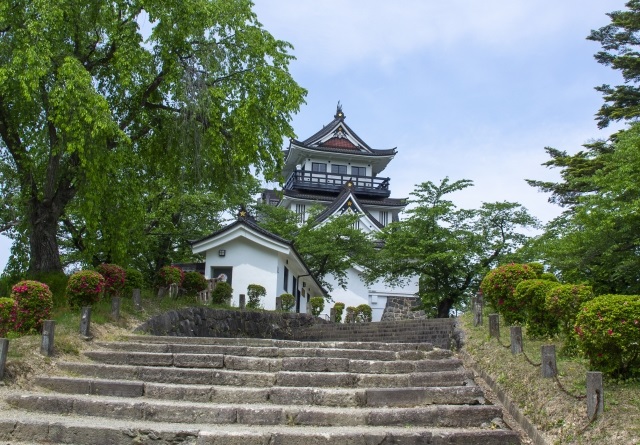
(244, 253)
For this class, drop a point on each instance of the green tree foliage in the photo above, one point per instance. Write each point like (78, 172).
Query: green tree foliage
(108, 108)
(620, 40)
(608, 332)
(133, 280)
(328, 248)
(449, 248)
(7, 314)
(597, 242)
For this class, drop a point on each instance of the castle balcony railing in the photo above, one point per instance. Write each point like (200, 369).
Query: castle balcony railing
(333, 182)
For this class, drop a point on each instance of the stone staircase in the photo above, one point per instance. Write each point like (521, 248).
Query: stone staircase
(185, 390)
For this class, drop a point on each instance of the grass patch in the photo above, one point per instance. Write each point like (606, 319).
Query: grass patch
(559, 417)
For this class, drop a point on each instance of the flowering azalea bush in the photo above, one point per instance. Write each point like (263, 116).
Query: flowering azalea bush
(608, 333)
(194, 282)
(287, 301)
(33, 304)
(530, 295)
(339, 308)
(7, 315)
(499, 285)
(317, 305)
(169, 275)
(114, 278)
(85, 288)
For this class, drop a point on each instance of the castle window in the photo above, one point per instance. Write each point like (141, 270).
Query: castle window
(318, 167)
(339, 169)
(384, 218)
(301, 212)
(359, 171)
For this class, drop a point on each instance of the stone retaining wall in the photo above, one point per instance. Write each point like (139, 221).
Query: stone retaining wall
(207, 322)
(440, 332)
(402, 308)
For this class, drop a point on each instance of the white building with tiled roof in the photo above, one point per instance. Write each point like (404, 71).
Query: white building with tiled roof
(336, 169)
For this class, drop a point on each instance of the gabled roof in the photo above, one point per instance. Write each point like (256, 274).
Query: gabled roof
(338, 136)
(345, 201)
(247, 221)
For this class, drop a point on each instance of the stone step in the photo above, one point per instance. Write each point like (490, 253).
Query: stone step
(448, 416)
(310, 364)
(366, 397)
(225, 377)
(18, 428)
(267, 342)
(276, 351)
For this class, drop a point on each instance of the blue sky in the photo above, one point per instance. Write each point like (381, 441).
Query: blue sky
(463, 88)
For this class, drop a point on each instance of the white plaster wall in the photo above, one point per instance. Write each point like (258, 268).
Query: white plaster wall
(252, 264)
(358, 293)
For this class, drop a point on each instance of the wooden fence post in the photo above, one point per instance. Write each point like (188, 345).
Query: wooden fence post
(4, 350)
(595, 395)
(48, 331)
(115, 308)
(332, 315)
(137, 299)
(278, 304)
(494, 326)
(516, 339)
(549, 369)
(85, 322)
(243, 301)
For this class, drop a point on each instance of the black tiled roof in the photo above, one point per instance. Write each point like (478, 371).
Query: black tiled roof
(390, 202)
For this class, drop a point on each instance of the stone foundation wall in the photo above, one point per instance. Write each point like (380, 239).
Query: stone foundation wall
(440, 332)
(402, 308)
(207, 322)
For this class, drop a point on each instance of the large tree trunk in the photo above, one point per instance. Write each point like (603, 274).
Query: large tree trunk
(444, 307)
(44, 255)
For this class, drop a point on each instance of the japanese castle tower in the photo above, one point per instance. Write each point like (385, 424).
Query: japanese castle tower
(336, 169)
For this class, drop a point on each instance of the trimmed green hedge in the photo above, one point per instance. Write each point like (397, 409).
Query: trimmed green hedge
(33, 304)
(498, 288)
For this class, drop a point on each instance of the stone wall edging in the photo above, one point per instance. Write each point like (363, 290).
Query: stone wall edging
(506, 401)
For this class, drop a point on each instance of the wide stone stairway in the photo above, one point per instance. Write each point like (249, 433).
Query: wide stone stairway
(185, 390)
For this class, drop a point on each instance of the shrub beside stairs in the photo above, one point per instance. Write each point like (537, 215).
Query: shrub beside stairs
(205, 391)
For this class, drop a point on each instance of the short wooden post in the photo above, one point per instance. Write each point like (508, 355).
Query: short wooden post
(173, 291)
(85, 322)
(494, 326)
(332, 314)
(516, 339)
(477, 313)
(278, 304)
(137, 299)
(4, 350)
(549, 369)
(595, 394)
(115, 308)
(48, 331)
(242, 301)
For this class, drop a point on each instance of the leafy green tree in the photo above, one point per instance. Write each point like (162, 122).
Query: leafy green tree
(90, 104)
(448, 248)
(329, 249)
(598, 242)
(620, 40)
